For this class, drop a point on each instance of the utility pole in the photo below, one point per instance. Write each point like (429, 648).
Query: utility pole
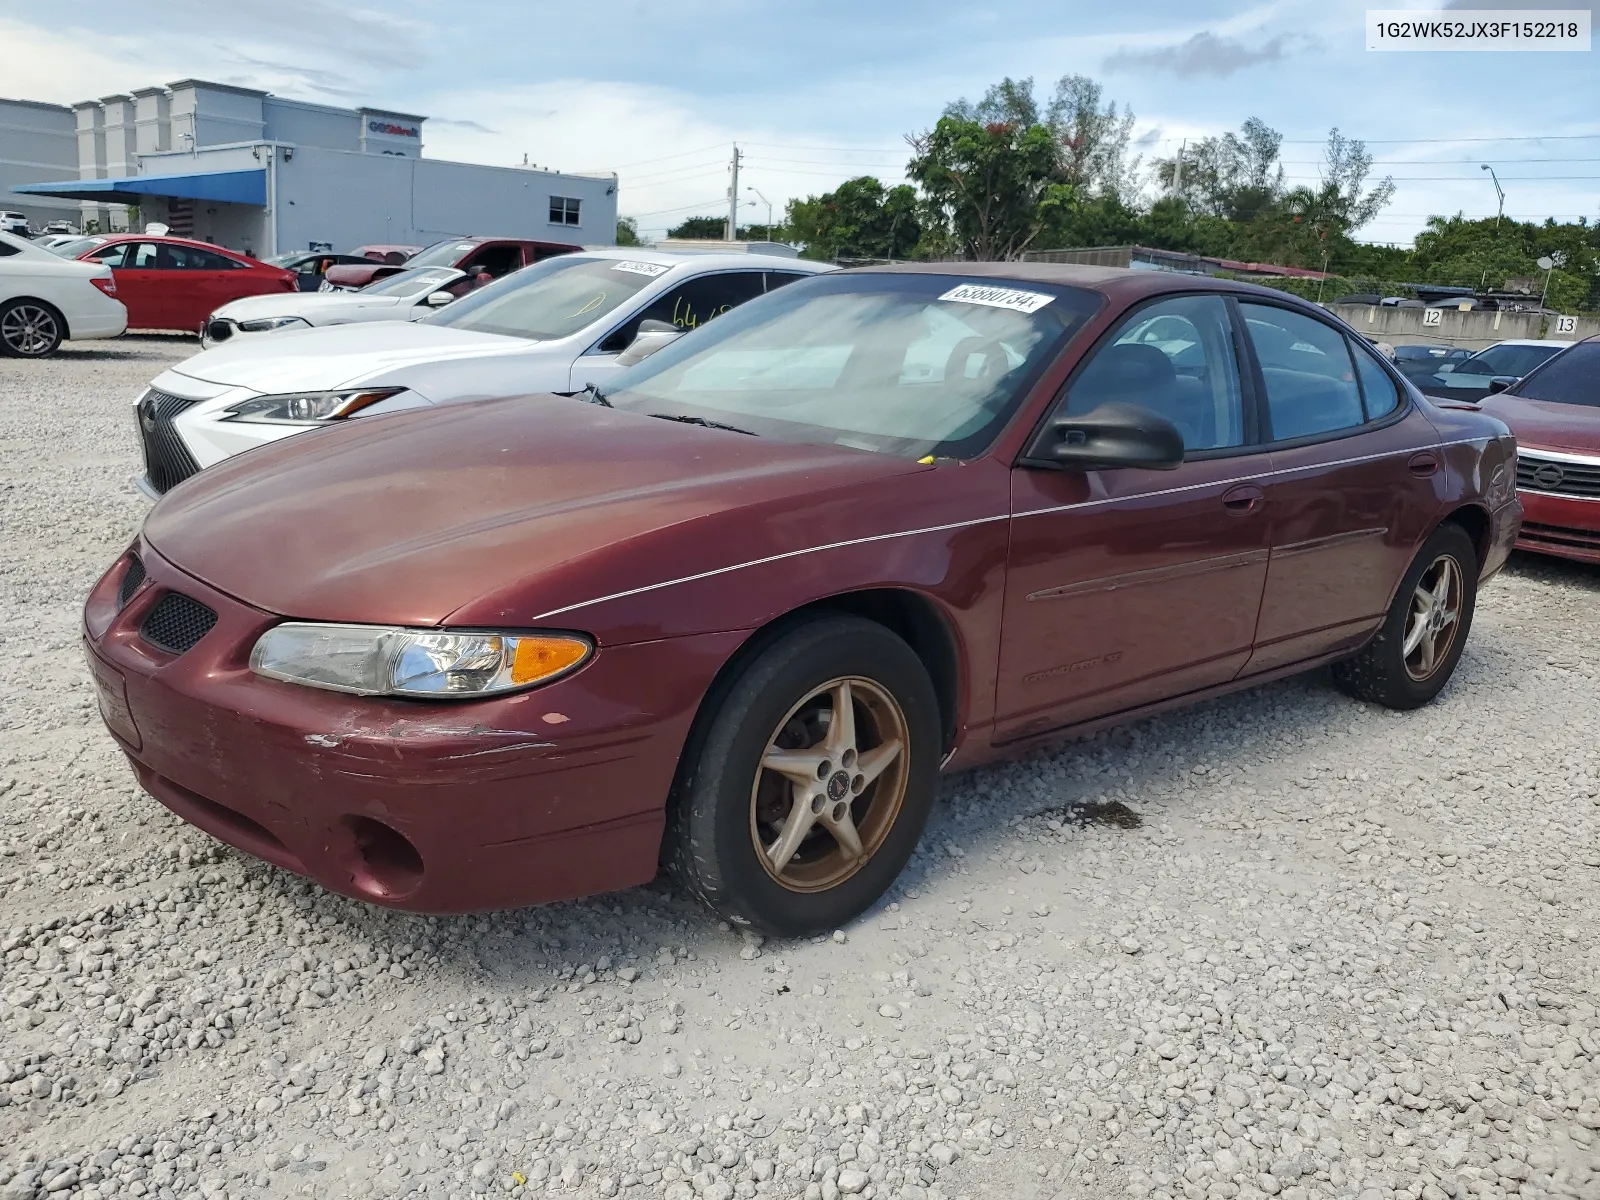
(733, 198)
(1177, 171)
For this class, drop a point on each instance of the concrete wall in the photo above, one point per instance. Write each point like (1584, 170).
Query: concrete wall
(215, 114)
(1474, 330)
(311, 124)
(353, 200)
(38, 143)
(152, 114)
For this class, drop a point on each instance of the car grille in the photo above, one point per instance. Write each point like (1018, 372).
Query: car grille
(1536, 474)
(167, 461)
(176, 623)
(131, 579)
(1558, 538)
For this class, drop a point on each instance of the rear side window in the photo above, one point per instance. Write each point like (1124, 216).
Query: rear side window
(1570, 378)
(1306, 365)
(1377, 388)
(691, 304)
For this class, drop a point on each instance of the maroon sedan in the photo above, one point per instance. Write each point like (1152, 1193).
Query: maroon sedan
(484, 257)
(1555, 413)
(739, 612)
(173, 283)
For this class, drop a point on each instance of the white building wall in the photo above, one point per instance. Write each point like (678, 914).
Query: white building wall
(214, 114)
(152, 114)
(38, 144)
(350, 200)
(310, 124)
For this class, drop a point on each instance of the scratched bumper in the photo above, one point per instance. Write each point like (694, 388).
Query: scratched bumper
(545, 795)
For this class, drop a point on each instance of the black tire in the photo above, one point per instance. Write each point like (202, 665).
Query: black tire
(1381, 672)
(713, 822)
(30, 328)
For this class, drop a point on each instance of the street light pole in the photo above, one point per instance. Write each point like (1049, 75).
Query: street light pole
(1500, 210)
(768, 203)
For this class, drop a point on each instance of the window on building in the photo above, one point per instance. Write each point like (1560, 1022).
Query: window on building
(564, 210)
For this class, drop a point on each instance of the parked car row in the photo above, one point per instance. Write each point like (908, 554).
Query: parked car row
(774, 545)
(45, 299)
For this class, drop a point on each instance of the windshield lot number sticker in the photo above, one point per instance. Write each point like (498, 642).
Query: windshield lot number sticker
(640, 268)
(998, 297)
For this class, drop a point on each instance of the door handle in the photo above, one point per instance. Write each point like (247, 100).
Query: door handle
(1245, 498)
(1424, 464)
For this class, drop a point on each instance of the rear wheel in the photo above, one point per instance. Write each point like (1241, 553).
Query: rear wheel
(1416, 650)
(810, 786)
(29, 329)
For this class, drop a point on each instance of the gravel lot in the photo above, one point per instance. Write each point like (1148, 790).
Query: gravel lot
(1282, 944)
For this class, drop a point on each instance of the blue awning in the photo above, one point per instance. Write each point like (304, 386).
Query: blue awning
(229, 187)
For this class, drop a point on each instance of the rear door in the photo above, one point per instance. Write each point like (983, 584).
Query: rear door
(1356, 483)
(202, 282)
(141, 283)
(1130, 586)
(688, 305)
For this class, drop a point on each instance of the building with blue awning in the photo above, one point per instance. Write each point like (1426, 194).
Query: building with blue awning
(263, 174)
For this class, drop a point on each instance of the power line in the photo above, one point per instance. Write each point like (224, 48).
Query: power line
(1547, 137)
(666, 157)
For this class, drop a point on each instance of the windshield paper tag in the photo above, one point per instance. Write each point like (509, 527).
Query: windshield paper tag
(640, 268)
(998, 297)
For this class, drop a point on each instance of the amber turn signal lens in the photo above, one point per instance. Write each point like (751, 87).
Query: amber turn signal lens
(538, 658)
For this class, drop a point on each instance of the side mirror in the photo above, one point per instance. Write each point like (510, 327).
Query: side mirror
(1112, 435)
(652, 336)
(1500, 383)
(438, 299)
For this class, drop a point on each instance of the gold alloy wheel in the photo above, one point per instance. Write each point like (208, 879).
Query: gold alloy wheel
(830, 786)
(1434, 617)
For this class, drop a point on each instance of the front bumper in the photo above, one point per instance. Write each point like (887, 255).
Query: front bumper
(441, 808)
(1504, 523)
(1565, 526)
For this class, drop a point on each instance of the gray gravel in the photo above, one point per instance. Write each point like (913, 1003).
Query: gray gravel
(1282, 945)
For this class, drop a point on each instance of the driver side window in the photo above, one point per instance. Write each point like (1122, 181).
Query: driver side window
(1175, 358)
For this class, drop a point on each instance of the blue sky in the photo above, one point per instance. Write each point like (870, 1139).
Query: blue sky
(818, 92)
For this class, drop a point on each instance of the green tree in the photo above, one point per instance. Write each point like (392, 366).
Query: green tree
(628, 231)
(988, 189)
(858, 219)
(1236, 176)
(700, 227)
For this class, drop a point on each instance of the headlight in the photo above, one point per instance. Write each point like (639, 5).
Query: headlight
(266, 323)
(299, 408)
(377, 660)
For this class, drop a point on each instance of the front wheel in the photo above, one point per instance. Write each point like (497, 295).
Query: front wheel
(1415, 651)
(810, 786)
(29, 329)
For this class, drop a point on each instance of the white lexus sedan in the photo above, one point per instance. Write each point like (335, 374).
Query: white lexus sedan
(407, 296)
(45, 299)
(557, 326)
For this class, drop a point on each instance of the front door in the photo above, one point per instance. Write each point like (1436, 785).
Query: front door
(1355, 485)
(692, 303)
(141, 284)
(1126, 586)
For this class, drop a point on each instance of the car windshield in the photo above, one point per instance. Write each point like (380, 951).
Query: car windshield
(551, 299)
(441, 254)
(412, 282)
(287, 260)
(1569, 378)
(76, 246)
(1506, 360)
(898, 363)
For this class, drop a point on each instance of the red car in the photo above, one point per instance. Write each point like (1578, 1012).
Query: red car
(477, 256)
(738, 613)
(1555, 413)
(173, 283)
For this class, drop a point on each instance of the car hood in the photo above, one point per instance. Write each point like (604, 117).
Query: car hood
(1536, 423)
(299, 304)
(504, 510)
(310, 359)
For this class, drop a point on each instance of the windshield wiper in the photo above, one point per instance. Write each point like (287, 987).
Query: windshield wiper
(591, 394)
(702, 422)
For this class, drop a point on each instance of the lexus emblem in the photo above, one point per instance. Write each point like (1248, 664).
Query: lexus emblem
(1548, 475)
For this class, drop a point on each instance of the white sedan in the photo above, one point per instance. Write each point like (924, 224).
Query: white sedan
(557, 326)
(45, 299)
(408, 296)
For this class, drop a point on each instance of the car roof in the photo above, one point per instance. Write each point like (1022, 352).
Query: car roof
(169, 239)
(710, 259)
(1529, 342)
(1121, 283)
